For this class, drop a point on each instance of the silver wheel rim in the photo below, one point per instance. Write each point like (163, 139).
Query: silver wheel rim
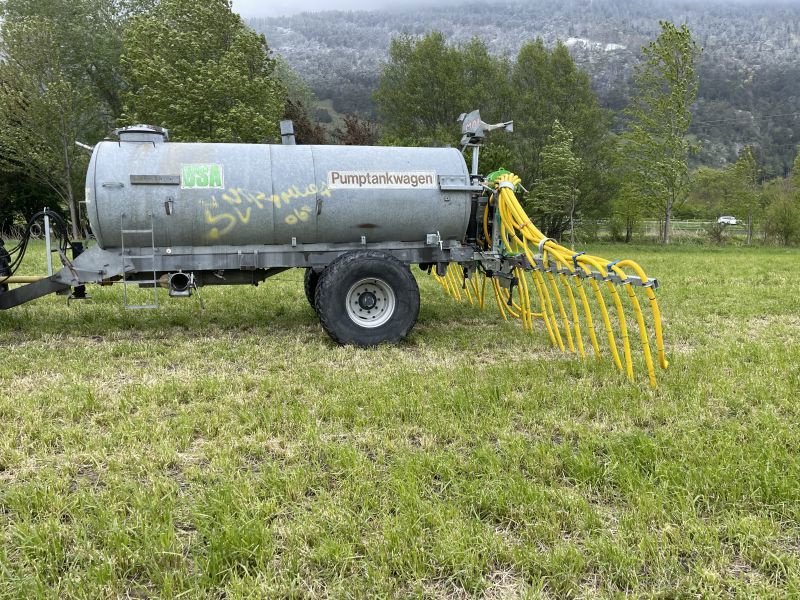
(370, 302)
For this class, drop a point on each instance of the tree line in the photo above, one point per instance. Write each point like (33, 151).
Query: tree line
(75, 69)
(749, 74)
(579, 167)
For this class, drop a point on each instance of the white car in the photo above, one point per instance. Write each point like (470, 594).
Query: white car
(727, 220)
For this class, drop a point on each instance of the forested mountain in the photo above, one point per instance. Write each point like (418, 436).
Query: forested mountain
(749, 71)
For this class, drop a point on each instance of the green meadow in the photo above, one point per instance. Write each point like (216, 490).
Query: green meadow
(236, 452)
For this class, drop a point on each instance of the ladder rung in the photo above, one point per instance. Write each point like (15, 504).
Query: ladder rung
(141, 283)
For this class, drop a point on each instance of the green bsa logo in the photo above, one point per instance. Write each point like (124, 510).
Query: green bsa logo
(202, 177)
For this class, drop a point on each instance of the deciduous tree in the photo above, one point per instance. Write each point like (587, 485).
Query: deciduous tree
(553, 198)
(299, 106)
(59, 82)
(627, 210)
(655, 145)
(712, 192)
(747, 193)
(356, 132)
(548, 87)
(88, 35)
(427, 83)
(196, 69)
(782, 215)
(47, 102)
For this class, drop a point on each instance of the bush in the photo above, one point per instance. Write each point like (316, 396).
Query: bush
(321, 115)
(587, 230)
(616, 228)
(783, 221)
(716, 232)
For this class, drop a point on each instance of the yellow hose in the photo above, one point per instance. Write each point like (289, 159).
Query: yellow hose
(651, 296)
(587, 312)
(497, 296)
(21, 279)
(623, 329)
(551, 314)
(547, 261)
(560, 303)
(575, 321)
(477, 291)
(607, 323)
(486, 235)
(648, 359)
(536, 278)
(451, 280)
(464, 286)
(524, 300)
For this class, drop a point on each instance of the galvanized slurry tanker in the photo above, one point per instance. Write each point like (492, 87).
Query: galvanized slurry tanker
(182, 216)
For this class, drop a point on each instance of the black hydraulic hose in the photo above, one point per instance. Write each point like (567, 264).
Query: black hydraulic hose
(60, 229)
(5, 266)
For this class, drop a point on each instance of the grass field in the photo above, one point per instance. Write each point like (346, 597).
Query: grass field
(236, 452)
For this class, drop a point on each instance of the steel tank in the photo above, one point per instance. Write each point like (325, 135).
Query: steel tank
(204, 194)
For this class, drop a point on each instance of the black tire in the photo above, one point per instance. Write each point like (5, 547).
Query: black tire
(366, 298)
(310, 281)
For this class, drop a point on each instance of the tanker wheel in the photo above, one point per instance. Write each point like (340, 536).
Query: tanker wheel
(310, 281)
(366, 298)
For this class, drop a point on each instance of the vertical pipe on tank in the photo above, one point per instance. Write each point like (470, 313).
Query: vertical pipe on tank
(476, 153)
(287, 133)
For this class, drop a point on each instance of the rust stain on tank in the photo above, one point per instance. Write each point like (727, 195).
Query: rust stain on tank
(367, 226)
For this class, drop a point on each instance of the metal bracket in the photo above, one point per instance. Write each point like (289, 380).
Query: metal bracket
(434, 239)
(449, 183)
(498, 265)
(155, 179)
(248, 261)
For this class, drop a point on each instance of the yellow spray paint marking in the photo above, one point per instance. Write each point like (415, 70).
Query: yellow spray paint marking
(216, 232)
(298, 215)
(238, 204)
(244, 217)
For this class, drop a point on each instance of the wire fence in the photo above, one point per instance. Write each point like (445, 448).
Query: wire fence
(695, 228)
(650, 229)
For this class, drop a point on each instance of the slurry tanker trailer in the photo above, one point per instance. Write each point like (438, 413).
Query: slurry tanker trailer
(185, 215)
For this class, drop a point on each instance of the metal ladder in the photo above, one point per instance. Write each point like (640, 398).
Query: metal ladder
(151, 257)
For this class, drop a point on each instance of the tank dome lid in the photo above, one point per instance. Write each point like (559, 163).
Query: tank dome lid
(142, 133)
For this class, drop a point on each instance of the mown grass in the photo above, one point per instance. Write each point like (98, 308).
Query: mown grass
(236, 452)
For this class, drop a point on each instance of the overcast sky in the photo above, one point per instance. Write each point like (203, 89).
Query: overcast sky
(276, 8)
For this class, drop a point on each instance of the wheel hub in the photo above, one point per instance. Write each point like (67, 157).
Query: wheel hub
(367, 300)
(370, 302)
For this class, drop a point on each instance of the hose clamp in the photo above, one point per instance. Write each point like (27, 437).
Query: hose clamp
(540, 254)
(618, 279)
(506, 184)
